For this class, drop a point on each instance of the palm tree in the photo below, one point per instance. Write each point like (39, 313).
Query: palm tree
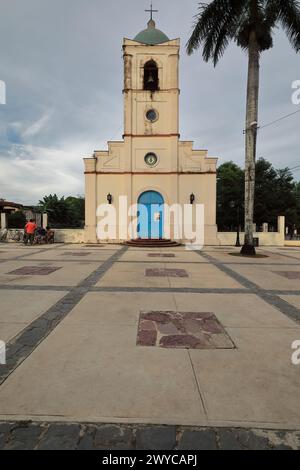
(251, 24)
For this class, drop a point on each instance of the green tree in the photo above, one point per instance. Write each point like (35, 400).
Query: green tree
(275, 194)
(57, 209)
(77, 208)
(230, 195)
(265, 207)
(16, 220)
(287, 197)
(63, 212)
(251, 25)
(297, 196)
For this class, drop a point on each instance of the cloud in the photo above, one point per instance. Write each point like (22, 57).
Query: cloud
(37, 126)
(62, 65)
(31, 172)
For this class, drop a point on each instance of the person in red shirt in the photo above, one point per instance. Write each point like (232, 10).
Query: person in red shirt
(30, 228)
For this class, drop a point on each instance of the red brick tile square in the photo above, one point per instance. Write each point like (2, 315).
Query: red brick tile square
(34, 270)
(292, 275)
(161, 272)
(161, 255)
(182, 330)
(73, 253)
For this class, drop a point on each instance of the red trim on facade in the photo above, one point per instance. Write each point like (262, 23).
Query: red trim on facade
(151, 135)
(138, 90)
(150, 174)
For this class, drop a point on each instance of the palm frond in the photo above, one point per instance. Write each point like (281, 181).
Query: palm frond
(286, 12)
(216, 25)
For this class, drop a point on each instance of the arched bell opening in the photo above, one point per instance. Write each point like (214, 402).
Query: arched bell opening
(151, 80)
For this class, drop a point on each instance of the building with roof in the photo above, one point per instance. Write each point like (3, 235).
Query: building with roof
(151, 166)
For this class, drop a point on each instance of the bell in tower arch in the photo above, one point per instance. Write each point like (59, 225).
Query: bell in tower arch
(151, 81)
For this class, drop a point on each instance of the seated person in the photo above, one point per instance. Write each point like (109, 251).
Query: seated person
(49, 235)
(40, 235)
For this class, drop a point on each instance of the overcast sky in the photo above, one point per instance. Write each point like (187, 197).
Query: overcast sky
(61, 61)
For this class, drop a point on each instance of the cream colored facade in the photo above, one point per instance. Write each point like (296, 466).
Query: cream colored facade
(122, 171)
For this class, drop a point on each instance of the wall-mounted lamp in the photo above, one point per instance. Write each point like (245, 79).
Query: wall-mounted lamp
(109, 198)
(192, 198)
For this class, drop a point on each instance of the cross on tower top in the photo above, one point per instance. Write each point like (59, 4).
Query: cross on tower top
(151, 11)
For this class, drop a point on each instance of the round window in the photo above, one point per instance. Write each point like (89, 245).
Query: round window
(151, 159)
(151, 115)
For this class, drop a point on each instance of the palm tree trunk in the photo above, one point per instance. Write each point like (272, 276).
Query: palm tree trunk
(251, 138)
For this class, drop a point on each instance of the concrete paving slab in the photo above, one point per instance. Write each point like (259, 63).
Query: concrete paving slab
(132, 275)
(97, 373)
(225, 256)
(117, 308)
(204, 276)
(10, 330)
(19, 308)
(234, 310)
(8, 253)
(72, 255)
(179, 256)
(267, 278)
(256, 383)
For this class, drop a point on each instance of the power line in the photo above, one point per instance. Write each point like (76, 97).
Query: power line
(254, 124)
(279, 119)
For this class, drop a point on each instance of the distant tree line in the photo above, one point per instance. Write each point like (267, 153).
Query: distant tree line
(276, 193)
(63, 212)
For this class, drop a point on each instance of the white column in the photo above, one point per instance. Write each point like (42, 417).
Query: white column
(90, 200)
(45, 220)
(281, 229)
(3, 220)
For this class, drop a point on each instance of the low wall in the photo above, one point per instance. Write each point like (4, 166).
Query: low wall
(223, 238)
(69, 235)
(292, 243)
(265, 238)
(61, 235)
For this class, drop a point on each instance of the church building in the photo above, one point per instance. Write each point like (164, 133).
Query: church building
(151, 166)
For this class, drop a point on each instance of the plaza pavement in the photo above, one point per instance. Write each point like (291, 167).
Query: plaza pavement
(73, 363)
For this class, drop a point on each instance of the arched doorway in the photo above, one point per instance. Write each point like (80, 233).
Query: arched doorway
(150, 215)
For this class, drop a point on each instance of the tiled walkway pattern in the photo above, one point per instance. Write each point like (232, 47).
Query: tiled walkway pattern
(81, 347)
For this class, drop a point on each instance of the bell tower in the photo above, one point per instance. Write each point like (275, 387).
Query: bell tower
(151, 84)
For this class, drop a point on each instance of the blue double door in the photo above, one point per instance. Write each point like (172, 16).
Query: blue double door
(150, 215)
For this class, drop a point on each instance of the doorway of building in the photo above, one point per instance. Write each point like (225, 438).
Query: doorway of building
(150, 215)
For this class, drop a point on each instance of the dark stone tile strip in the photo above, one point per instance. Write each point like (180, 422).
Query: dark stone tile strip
(179, 290)
(87, 436)
(20, 347)
(268, 296)
(62, 260)
(148, 261)
(285, 292)
(281, 254)
(35, 287)
(164, 260)
(42, 250)
(259, 264)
